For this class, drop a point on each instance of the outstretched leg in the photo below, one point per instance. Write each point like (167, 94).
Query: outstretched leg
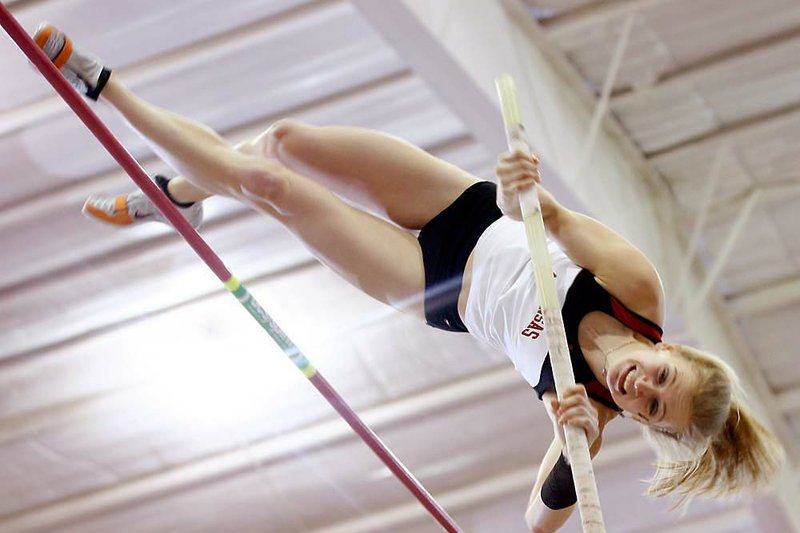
(379, 258)
(373, 170)
(271, 173)
(376, 171)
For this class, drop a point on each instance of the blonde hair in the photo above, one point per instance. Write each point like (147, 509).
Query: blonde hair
(725, 448)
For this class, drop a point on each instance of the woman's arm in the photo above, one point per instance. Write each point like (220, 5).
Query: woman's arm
(538, 516)
(575, 408)
(621, 268)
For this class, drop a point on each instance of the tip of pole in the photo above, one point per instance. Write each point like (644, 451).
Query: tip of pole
(507, 91)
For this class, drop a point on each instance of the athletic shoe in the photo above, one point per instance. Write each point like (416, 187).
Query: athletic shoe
(135, 208)
(84, 71)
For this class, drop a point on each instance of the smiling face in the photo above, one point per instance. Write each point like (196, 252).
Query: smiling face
(654, 385)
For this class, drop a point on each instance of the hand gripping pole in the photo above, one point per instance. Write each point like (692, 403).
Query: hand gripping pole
(138, 175)
(577, 446)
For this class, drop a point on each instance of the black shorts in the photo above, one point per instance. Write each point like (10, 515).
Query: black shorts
(446, 242)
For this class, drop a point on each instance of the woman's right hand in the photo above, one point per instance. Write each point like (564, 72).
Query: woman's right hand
(516, 171)
(576, 409)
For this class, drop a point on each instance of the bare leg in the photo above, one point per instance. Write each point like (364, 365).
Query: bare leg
(394, 177)
(376, 171)
(192, 149)
(184, 191)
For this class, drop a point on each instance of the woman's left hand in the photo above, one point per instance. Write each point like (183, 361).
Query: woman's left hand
(516, 171)
(575, 409)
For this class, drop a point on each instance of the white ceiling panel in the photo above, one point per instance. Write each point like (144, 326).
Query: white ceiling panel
(696, 30)
(767, 333)
(671, 36)
(758, 257)
(755, 84)
(661, 118)
(783, 214)
(546, 9)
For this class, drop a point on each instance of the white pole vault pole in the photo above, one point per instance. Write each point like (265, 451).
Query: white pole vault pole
(577, 445)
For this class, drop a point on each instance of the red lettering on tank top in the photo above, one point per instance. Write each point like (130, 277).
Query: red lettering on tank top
(535, 326)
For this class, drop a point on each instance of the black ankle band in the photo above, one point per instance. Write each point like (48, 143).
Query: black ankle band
(101, 82)
(163, 184)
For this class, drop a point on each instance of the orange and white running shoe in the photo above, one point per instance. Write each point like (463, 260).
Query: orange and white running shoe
(135, 208)
(84, 71)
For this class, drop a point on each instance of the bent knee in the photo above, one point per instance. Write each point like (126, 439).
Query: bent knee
(269, 142)
(265, 181)
(290, 137)
(284, 127)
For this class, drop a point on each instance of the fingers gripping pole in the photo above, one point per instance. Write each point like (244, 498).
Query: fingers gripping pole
(129, 164)
(577, 446)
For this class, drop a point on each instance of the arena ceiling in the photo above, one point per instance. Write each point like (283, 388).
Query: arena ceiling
(136, 395)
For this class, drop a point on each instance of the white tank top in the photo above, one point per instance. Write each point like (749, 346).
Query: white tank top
(503, 304)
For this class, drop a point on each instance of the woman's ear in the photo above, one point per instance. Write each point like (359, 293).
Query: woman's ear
(667, 346)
